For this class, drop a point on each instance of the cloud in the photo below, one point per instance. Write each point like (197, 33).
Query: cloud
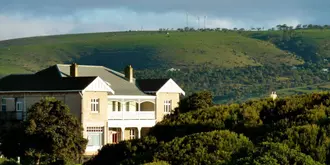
(17, 26)
(20, 18)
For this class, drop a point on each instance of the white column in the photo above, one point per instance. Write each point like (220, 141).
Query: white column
(139, 132)
(122, 133)
(139, 105)
(155, 109)
(139, 108)
(122, 108)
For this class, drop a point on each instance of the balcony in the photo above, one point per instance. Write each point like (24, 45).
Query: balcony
(133, 115)
(12, 115)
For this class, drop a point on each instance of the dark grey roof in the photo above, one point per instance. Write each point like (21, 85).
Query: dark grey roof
(117, 80)
(148, 85)
(34, 82)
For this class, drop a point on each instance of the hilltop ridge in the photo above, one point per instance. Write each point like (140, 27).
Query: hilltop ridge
(142, 50)
(235, 65)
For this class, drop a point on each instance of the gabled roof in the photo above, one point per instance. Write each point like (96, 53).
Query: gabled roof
(57, 77)
(150, 85)
(117, 80)
(32, 82)
(159, 85)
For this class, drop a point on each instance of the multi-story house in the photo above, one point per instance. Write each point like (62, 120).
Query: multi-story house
(110, 105)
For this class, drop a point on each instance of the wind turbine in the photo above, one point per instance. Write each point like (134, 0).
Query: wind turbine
(204, 21)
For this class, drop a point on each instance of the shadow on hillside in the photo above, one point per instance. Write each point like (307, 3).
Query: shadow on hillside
(296, 44)
(139, 57)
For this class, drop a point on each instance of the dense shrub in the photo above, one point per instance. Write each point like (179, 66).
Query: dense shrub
(293, 130)
(275, 154)
(4, 161)
(137, 151)
(198, 100)
(204, 148)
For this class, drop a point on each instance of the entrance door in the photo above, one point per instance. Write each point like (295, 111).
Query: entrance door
(115, 137)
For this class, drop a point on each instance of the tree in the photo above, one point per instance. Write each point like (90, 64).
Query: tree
(214, 147)
(276, 154)
(198, 100)
(51, 134)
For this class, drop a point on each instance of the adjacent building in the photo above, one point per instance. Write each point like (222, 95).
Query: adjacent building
(110, 105)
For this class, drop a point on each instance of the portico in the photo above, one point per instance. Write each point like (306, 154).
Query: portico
(129, 116)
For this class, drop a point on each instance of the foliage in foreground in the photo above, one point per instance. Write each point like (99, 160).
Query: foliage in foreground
(286, 131)
(50, 134)
(276, 154)
(198, 100)
(4, 161)
(214, 147)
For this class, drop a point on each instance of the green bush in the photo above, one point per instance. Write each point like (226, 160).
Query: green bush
(157, 163)
(4, 161)
(198, 100)
(275, 154)
(204, 148)
(293, 130)
(137, 151)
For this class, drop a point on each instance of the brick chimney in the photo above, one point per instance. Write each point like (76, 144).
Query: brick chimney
(74, 70)
(129, 73)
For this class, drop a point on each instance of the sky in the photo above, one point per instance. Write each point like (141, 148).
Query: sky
(25, 18)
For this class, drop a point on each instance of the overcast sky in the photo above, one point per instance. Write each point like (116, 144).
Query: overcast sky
(23, 18)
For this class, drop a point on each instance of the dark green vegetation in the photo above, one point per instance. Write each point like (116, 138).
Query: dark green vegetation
(294, 130)
(234, 64)
(4, 161)
(50, 135)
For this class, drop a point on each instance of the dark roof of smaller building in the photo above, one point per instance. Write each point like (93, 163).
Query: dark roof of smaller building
(32, 82)
(150, 84)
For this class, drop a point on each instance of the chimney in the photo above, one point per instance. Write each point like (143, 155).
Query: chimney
(74, 70)
(129, 73)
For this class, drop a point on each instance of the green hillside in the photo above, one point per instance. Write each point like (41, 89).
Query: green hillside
(235, 65)
(312, 44)
(142, 50)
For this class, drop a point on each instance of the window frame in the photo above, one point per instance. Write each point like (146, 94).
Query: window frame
(19, 104)
(95, 105)
(167, 106)
(99, 131)
(127, 106)
(3, 104)
(132, 133)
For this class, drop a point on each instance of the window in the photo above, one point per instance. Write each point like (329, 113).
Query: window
(95, 136)
(3, 104)
(167, 106)
(19, 106)
(119, 106)
(113, 106)
(132, 133)
(95, 105)
(127, 106)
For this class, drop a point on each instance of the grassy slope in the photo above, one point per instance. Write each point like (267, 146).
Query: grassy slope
(312, 42)
(141, 49)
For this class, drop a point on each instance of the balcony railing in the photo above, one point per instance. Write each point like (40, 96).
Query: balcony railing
(12, 115)
(135, 115)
